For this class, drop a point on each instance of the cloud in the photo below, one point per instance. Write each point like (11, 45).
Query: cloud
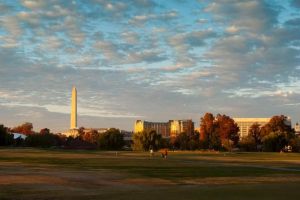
(142, 19)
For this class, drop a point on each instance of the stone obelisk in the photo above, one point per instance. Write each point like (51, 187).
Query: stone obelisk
(74, 109)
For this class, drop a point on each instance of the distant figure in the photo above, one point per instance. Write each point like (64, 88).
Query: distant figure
(166, 153)
(151, 152)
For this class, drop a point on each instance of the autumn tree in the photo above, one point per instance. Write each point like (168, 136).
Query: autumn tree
(227, 129)
(91, 136)
(277, 123)
(207, 129)
(215, 131)
(25, 128)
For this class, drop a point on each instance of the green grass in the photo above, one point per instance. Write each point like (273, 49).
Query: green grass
(59, 174)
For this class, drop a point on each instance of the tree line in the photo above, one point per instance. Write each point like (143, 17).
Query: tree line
(221, 132)
(112, 139)
(218, 132)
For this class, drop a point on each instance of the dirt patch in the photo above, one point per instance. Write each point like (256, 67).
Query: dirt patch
(30, 179)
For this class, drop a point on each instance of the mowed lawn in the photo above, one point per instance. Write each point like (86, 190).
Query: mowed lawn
(65, 174)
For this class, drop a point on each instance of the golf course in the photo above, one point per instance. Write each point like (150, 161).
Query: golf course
(27, 173)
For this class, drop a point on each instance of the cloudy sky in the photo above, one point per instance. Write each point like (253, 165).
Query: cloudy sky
(147, 59)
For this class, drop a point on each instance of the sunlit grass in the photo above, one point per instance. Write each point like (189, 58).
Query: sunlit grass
(38, 173)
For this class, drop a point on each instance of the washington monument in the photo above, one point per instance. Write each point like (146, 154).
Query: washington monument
(74, 109)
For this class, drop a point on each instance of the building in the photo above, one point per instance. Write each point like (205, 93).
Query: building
(180, 126)
(127, 135)
(166, 129)
(297, 129)
(245, 123)
(161, 128)
(99, 130)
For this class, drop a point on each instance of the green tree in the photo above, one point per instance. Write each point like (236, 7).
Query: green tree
(112, 139)
(275, 141)
(143, 141)
(276, 133)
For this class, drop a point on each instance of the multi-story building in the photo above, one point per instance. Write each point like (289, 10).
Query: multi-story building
(245, 124)
(161, 128)
(166, 129)
(180, 126)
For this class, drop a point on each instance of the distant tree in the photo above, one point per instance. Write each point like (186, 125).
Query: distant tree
(247, 144)
(228, 130)
(255, 133)
(275, 141)
(81, 132)
(45, 131)
(112, 139)
(5, 137)
(207, 129)
(25, 128)
(42, 140)
(276, 134)
(194, 141)
(277, 123)
(91, 136)
(217, 132)
(185, 141)
(295, 143)
(182, 141)
(206, 126)
(143, 141)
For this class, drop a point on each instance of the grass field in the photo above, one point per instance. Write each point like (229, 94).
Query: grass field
(61, 174)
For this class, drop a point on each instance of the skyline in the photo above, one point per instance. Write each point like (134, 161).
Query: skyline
(148, 60)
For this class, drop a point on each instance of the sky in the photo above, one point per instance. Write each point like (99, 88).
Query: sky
(153, 60)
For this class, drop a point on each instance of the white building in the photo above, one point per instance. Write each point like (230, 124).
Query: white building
(245, 124)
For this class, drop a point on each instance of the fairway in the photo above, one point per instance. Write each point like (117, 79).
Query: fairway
(61, 174)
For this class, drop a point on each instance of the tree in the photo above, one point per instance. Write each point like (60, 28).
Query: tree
(228, 130)
(25, 128)
(143, 141)
(42, 140)
(255, 133)
(276, 133)
(207, 129)
(275, 141)
(91, 136)
(45, 131)
(218, 131)
(277, 123)
(112, 139)
(5, 137)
